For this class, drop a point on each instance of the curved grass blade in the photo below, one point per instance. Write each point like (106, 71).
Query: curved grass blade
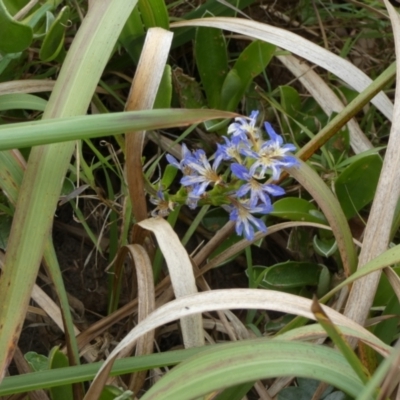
(332, 211)
(27, 134)
(378, 228)
(251, 360)
(47, 165)
(300, 46)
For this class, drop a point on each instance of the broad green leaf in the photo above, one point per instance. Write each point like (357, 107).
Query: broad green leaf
(324, 247)
(168, 177)
(212, 62)
(22, 101)
(32, 20)
(251, 62)
(356, 185)
(232, 86)
(38, 362)
(324, 281)
(251, 360)
(292, 274)
(13, 6)
(132, 35)
(154, 13)
(164, 94)
(57, 359)
(54, 41)
(296, 209)
(14, 36)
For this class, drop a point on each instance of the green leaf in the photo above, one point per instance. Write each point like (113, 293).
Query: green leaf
(339, 340)
(132, 34)
(324, 247)
(154, 13)
(231, 91)
(296, 209)
(22, 101)
(113, 393)
(54, 41)
(292, 274)
(57, 359)
(251, 360)
(164, 93)
(14, 36)
(356, 185)
(82, 373)
(38, 362)
(27, 134)
(235, 392)
(212, 62)
(251, 62)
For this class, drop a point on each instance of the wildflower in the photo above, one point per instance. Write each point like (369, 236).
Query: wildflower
(231, 150)
(202, 173)
(243, 127)
(186, 158)
(258, 191)
(192, 199)
(242, 213)
(271, 155)
(164, 206)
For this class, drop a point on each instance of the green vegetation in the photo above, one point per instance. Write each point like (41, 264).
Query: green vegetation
(136, 173)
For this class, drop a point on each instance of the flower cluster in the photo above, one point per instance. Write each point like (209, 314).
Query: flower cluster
(241, 190)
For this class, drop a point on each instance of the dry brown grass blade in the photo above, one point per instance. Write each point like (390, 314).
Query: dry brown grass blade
(377, 231)
(27, 86)
(299, 46)
(181, 273)
(146, 305)
(102, 325)
(33, 86)
(196, 304)
(325, 97)
(142, 95)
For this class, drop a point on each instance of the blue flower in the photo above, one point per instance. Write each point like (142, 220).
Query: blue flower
(271, 155)
(258, 191)
(243, 127)
(202, 173)
(242, 213)
(231, 150)
(186, 158)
